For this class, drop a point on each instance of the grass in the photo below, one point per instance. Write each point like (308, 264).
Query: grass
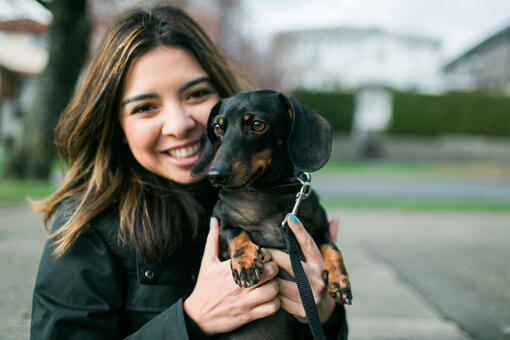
(416, 205)
(17, 191)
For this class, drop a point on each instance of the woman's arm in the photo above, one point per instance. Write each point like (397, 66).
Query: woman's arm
(82, 295)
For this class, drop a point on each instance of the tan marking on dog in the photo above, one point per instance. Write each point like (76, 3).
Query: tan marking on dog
(280, 142)
(247, 117)
(221, 121)
(261, 159)
(338, 278)
(291, 114)
(240, 173)
(244, 255)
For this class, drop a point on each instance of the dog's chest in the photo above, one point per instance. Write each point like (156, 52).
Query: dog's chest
(258, 212)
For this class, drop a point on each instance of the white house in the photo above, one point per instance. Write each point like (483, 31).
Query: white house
(23, 56)
(486, 66)
(350, 59)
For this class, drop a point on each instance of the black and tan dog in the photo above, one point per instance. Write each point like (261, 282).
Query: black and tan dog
(255, 145)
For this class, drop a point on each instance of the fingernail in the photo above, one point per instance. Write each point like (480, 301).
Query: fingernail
(293, 218)
(210, 223)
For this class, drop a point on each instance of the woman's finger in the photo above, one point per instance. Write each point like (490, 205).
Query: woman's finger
(308, 246)
(282, 260)
(270, 271)
(211, 244)
(265, 309)
(333, 229)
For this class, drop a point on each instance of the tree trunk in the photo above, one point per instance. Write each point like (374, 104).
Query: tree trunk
(32, 155)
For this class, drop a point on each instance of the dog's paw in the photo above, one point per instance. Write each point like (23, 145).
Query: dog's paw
(339, 286)
(247, 265)
(335, 275)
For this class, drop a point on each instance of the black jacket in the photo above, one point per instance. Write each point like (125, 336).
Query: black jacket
(101, 290)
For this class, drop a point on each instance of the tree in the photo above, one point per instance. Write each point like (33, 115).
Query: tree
(31, 156)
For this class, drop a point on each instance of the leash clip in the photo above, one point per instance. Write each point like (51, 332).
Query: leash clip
(306, 190)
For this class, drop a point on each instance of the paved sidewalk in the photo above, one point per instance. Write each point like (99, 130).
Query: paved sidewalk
(21, 242)
(385, 306)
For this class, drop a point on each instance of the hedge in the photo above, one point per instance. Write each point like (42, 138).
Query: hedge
(336, 107)
(419, 114)
(451, 113)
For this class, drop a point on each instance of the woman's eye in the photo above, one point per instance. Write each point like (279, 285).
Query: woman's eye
(258, 126)
(197, 94)
(143, 108)
(218, 130)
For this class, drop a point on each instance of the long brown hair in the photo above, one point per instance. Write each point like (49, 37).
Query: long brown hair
(102, 172)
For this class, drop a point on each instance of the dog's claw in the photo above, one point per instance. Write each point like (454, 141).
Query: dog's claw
(325, 276)
(262, 256)
(346, 295)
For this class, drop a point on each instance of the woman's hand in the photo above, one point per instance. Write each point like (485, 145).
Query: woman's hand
(288, 291)
(219, 305)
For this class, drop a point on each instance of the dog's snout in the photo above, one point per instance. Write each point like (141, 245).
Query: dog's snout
(219, 174)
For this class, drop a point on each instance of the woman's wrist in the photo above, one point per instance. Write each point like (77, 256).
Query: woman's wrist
(187, 306)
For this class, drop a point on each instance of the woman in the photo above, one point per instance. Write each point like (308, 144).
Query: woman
(130, 251)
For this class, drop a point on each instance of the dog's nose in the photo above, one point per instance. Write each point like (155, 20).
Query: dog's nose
(218, 175)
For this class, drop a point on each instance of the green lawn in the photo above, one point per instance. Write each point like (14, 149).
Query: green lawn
(17, 191)
(416, 205)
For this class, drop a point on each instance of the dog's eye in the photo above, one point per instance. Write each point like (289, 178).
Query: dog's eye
(218, 130)
(258, 126)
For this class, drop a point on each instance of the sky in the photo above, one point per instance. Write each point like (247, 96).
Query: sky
(456, 24)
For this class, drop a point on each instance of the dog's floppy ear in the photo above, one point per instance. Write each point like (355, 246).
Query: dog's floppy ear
(208, 144)
(310, 137)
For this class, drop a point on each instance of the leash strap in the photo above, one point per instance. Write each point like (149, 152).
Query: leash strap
(294, 250)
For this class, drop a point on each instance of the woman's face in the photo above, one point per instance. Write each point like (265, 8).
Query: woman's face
(164, 106)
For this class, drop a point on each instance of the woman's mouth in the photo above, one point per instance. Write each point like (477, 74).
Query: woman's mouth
(185, 156)
(185, 152)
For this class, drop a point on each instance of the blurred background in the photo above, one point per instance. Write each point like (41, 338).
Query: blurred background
(418, 93)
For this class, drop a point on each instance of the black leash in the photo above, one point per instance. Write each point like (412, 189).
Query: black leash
(305, 292)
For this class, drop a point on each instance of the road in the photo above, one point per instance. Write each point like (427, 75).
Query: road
(413, 187)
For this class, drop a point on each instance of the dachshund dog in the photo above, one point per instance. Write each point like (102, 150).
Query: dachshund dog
(255, 146)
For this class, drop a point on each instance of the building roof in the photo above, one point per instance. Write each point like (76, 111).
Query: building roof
(15, 10)
(358, 32)
(485, 44)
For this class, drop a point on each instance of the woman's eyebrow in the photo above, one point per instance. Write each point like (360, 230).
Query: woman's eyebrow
(195, 81)
(139, 97)
(182, 88)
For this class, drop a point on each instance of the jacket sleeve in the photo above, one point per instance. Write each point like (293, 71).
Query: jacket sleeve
(81, 295)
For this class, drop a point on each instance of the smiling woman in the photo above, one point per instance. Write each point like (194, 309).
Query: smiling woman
(130, 240)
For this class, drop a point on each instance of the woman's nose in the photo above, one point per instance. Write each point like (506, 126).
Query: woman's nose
(177, 122)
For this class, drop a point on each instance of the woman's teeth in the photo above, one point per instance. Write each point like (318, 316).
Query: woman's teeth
(186, 151)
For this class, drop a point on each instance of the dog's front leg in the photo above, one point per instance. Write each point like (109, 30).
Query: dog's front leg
(246, 258)
(335, 274)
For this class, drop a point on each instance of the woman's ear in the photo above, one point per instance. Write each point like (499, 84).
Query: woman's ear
(310, 137)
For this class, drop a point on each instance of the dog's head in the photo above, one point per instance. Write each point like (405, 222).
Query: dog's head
(252, 131)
